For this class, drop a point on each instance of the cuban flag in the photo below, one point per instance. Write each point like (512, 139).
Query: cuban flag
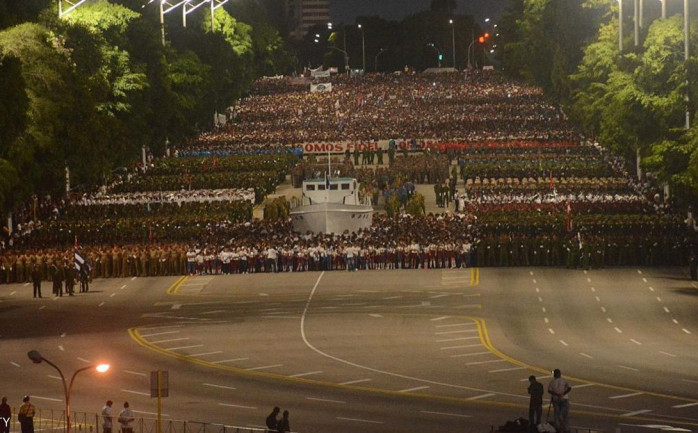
(79, 260)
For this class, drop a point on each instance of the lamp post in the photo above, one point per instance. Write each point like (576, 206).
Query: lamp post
(620, 26)
(363, 49)
(453, 41)
(636, 26)
(37, 359)
(663, 9)
(686, 51)
(375, 65)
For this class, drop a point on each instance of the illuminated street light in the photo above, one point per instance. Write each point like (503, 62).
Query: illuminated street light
(38, 359)
(189, 7)
(363, 48)
(72, 5)
(453, 41)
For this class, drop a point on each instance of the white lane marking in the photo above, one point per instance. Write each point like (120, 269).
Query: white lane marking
(214, 312)
(184, 347)
(616, 397)
(137, 373)
(675, 321)
(445, 414)
(537, 289)
(14, 363)
(637, 412)
(377, 316)
(681, 406)
(100, 304)
(618, 330)
(360, 420)
(593, 289)
(149, 413)
(436, 319)
(628, 368)
(666, 310)
(603, 309)
(690, 381)
(530, 272)
(112, 295)
(668, 354)
(609, 320)
(462, 355)
(563, 343)
(237, 406)
(439, 296)
(416, 388)
(229, 360)
(539, 377)
(42, 307)
(639, 272)
(659, 299)
(455, 324)
(63, 335)
(48, 398)
(545, 319)
(459, 331)
(588, 280)
(86, 361)
(151, 328)
(651, 289)
(12, 293)
(170, 340)
(543, 309)
(644, 280)
(534, 281)
(502, 370)
(326, 400)
(686, 331)
(457, 339)
(636, 342)
(597, 299)
(310, 346)
(54, 377)
(309, 373)
(464, 346)
(485, 362)
(213, 385)
(136, 392)
(124, 286)
(481, 396)
(586, 355)
(584, 385)
(390, 298)
(207, 353)
(352, 382)
(540, 299)
(551, 330)
(61, 348)
(264, 367)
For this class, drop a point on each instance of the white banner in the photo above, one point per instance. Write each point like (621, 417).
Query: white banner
(321, 88)
(320, 74)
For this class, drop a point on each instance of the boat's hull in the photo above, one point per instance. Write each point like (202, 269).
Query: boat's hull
(331, 218)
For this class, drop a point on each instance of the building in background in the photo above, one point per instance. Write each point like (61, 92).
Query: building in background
(304, 14)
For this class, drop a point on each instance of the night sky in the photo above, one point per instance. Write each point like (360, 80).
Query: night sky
(347, 10)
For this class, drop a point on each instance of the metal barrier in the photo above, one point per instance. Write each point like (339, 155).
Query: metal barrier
(53, 421)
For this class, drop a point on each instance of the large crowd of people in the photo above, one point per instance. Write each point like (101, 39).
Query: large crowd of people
(527, 191)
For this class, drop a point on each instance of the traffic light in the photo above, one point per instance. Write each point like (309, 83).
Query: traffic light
(441, 57)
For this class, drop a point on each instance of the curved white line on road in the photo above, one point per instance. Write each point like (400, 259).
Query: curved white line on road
(375, 370)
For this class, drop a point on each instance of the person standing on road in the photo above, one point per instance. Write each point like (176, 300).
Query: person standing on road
(535, 405)
(284, 425)
(272, 420)
(36, 281)
(560, 389)
(126, 418)
(107, 417)
(26, 415)
(5, 416)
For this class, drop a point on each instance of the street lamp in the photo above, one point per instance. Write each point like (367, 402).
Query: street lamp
(164, 10)
(363, 49)
(36, 358)
(620, 26)
(381, 51)
(686, 42)
(72, 5)
(663, 9)
(453, 41)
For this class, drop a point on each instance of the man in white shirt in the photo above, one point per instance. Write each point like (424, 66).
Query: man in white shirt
(107, 417)
(126, 418)
(559, 390)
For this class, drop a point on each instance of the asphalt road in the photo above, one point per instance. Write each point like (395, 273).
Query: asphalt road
(372, 351)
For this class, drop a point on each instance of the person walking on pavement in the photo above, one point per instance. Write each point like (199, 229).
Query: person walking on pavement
(26, 415)
(272, 420)
(126, 418)
(107, 417)
(535, 405)
(560, 389)
(5, 416)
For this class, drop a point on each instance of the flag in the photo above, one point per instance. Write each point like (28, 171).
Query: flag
(79, 260)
